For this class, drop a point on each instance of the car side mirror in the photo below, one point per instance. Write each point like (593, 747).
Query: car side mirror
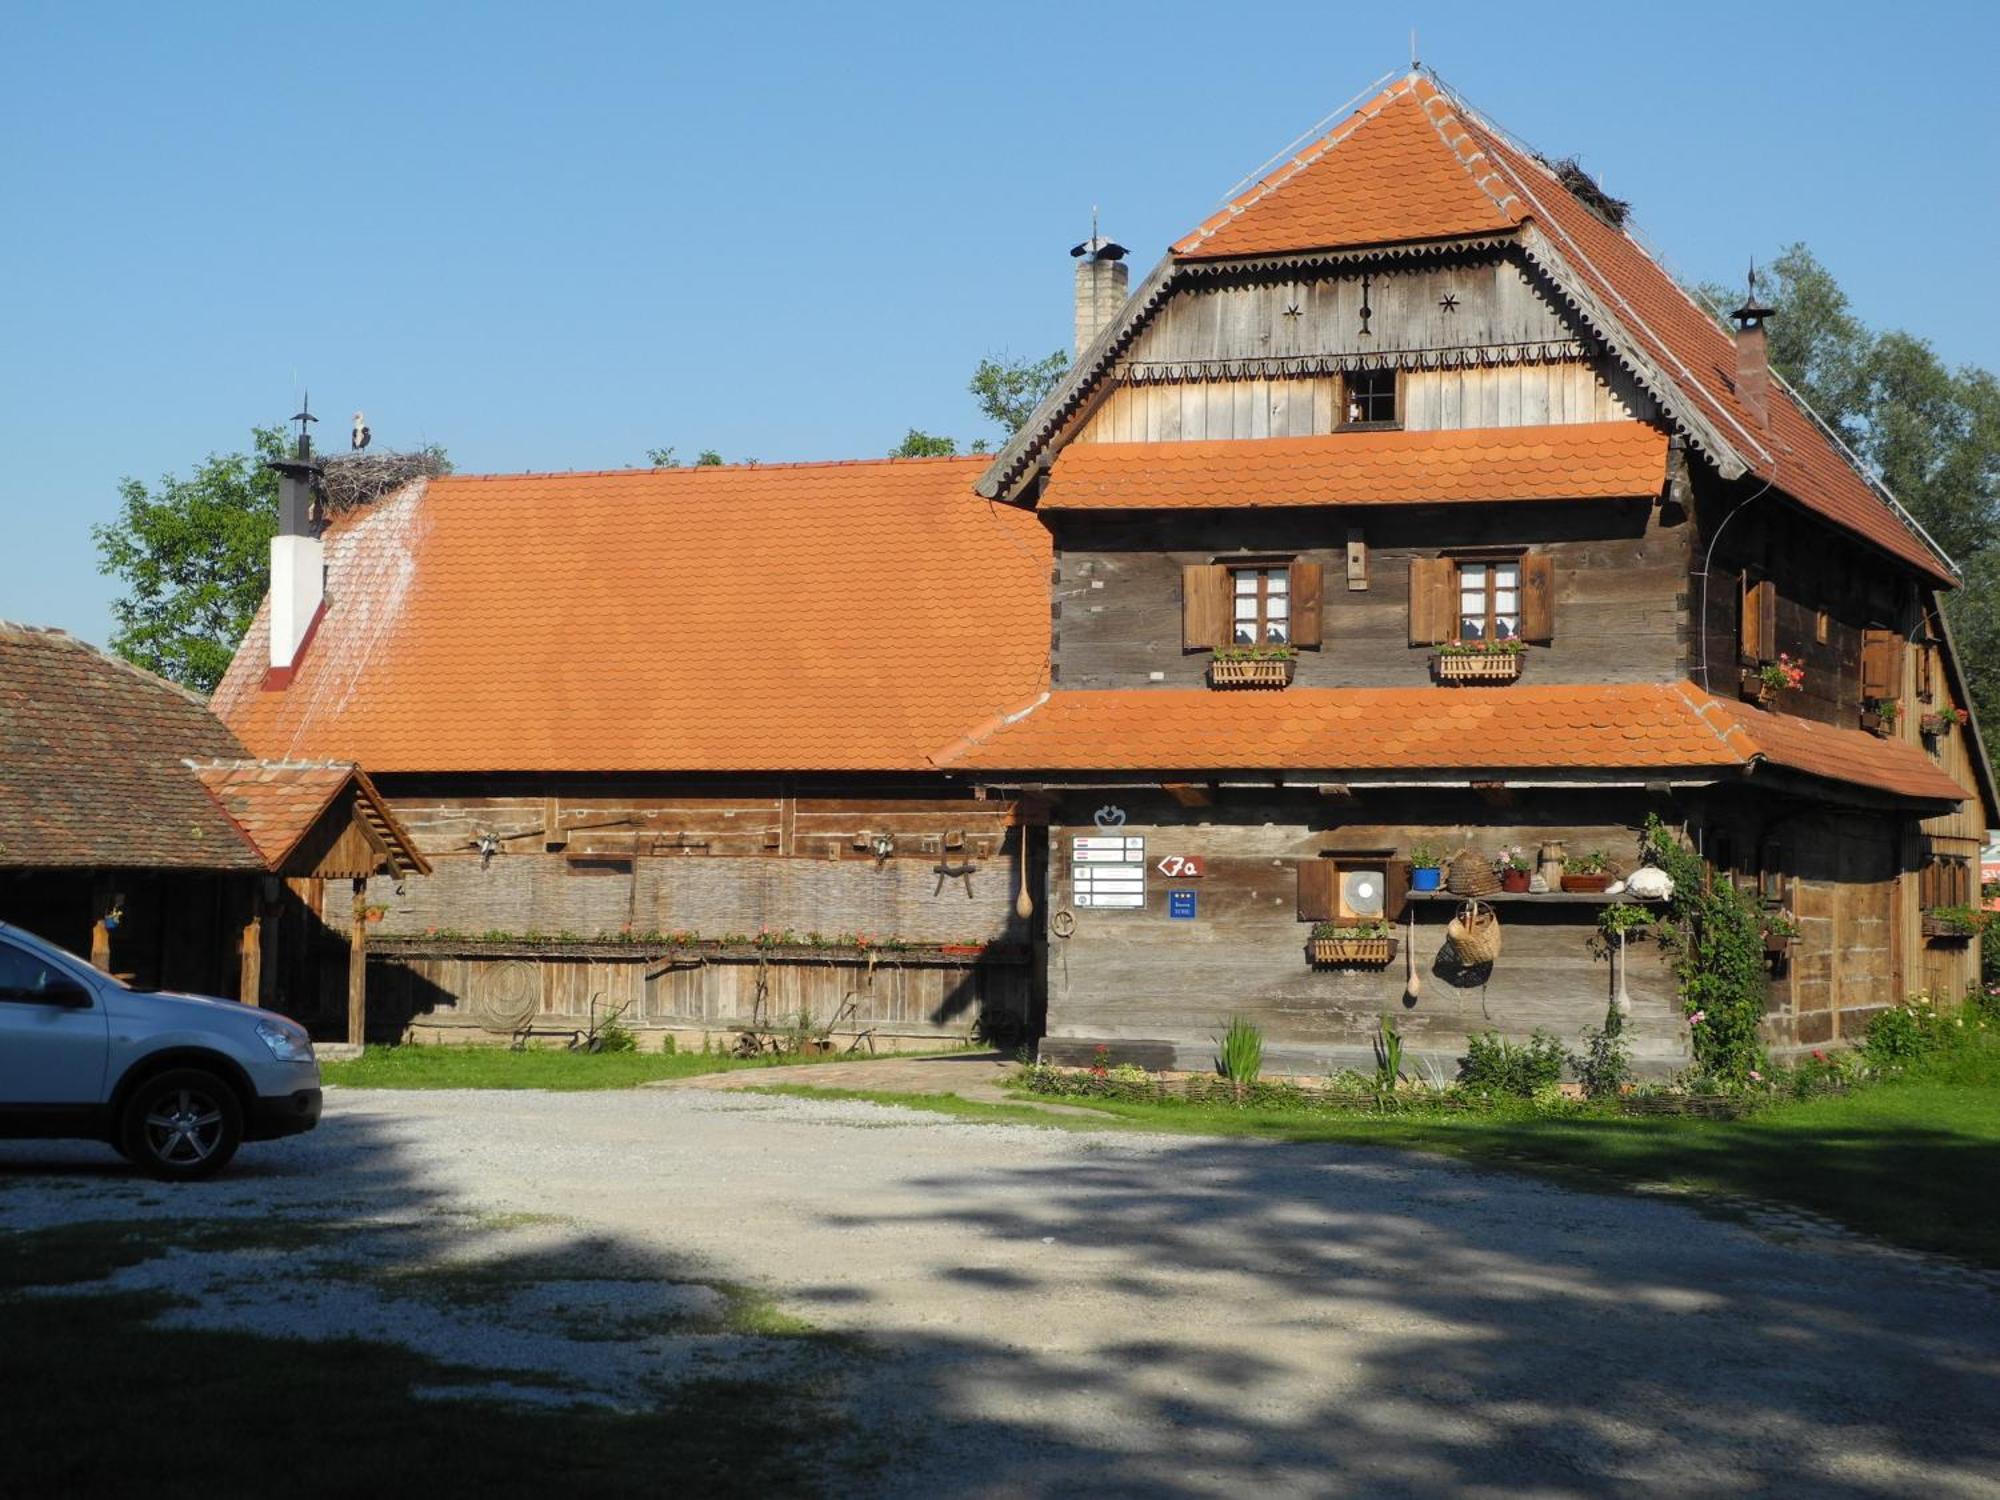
(68, 993)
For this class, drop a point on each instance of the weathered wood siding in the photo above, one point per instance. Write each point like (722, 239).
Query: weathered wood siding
(886, 1001)
(1258, 406)
(1621, 572)
(1134, 977)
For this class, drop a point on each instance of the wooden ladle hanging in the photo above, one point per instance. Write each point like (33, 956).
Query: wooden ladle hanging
(1412, 985)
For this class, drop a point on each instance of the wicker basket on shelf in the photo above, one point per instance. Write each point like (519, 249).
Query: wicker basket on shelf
(1471, 874)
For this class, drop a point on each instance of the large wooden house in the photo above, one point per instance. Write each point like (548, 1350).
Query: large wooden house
(1407, 503)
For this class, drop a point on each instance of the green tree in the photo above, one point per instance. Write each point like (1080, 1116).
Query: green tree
(1008, 391)
(193, 555)
(1931, 432)
(920, 444)
(664, 458)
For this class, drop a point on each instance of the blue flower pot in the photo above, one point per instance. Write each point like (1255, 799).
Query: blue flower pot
(1426, 880)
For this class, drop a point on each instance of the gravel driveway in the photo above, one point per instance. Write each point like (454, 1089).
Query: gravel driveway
(1061, 1312)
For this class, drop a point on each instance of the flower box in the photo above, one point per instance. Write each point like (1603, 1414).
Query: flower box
(1878, 724)
(1597, 882)
(1945, 932)
(1477, 666)
(1267, 672)
(1936, 726)
(1754, 689)
(1352, 952)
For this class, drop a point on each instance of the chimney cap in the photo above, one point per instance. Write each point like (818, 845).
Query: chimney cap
(1753, 312)
(1097, 247)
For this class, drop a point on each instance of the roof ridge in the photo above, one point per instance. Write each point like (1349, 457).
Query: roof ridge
(736, 468)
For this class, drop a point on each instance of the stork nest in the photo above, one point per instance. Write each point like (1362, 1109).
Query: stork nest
(1583, 187)
(350, 479)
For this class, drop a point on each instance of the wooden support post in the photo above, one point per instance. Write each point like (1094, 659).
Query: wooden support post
(250, 949)
(357, 967)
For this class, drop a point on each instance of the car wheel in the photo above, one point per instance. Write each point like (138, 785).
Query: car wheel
(181, 1125)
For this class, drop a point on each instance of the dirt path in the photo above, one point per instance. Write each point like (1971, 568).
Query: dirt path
(1062, 1312)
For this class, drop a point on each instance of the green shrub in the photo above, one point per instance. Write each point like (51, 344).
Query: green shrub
(1494, 1065)
(1718, 938)
(1604, 1066)
(1388, 1057)
(1241, 1055)
(615, 1036)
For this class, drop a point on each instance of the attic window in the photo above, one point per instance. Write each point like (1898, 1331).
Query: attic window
(1371, 399)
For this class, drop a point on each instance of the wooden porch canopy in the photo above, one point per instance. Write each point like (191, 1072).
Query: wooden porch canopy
(312, 820)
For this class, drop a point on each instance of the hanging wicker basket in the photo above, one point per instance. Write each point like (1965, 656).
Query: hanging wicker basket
(1471, 874)
(1475, 934)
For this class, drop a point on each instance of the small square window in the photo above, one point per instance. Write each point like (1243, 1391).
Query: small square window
(1371, 398)
(1262, 612)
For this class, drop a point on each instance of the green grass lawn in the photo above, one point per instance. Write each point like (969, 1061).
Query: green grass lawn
(1913, 1160)
(448, 1067)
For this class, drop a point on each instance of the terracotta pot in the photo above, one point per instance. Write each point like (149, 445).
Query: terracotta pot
(1586, 882)
(1514, 880)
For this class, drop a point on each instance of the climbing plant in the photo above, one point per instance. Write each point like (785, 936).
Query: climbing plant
(1718, 946)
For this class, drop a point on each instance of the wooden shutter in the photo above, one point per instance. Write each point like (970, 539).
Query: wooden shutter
(1307, 604)
(1204, 606)
(1318, 884)
(1395, 890)
(1433, 600)
(1759, 620)
(1538, 598)
(1881, 664)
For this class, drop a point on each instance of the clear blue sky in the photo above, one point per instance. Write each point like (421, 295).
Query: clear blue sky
(550, 236)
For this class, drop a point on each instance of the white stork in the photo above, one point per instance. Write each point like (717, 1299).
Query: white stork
(361, 433)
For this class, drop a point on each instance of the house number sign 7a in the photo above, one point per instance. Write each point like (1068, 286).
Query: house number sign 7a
(1182, 867)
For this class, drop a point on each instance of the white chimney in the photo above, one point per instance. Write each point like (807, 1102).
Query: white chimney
(1102, 281)
(298, 558)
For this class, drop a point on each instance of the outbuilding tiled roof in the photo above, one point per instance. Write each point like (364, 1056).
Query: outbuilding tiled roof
(277, 803)
(845, 616)
(1645, 727)
(1414, 162)
(1581, 461)
(92, 764)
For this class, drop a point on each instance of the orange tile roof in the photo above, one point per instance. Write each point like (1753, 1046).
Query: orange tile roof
(277, 803)
(1415, 162)
(1388, 181)
(1593, 460)
(1643, 727)
(844, 616)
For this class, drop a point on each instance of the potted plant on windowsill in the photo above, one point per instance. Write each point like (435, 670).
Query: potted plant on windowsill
(1880, 715)
(1588, 872)
(1765, 681)
(1954, 924)
(1351, 944)
(1516, 868)
(1268, 666)
(1478, 661)
(1780, 931)
(1427, 863)
(1937, 724)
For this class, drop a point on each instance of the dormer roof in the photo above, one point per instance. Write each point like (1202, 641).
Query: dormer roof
(1415, 171)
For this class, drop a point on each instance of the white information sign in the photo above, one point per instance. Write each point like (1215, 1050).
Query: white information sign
(1108, 871)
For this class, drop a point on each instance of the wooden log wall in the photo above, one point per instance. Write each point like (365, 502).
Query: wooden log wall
(892, 1000)
(1259, 406)
(1162, 988)
(1621, 571)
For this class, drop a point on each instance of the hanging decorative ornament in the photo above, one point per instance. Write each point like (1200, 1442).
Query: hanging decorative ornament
(1367, 312)
(1412, 986)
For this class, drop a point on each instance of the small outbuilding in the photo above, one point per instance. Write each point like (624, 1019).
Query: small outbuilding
(135, 830)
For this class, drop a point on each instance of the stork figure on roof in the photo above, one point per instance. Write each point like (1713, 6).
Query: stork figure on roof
(361, 433)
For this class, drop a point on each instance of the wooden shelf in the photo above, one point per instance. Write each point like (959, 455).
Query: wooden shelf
(1543, 898)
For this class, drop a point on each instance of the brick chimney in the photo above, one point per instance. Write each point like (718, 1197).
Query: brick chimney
(1753, 355)
(298, 559)
(1102, 280)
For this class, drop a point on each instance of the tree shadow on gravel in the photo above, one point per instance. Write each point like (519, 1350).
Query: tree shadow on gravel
(429, 1370)
(1353, 1322)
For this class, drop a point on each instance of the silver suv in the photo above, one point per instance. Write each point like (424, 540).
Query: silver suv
(175, 1082)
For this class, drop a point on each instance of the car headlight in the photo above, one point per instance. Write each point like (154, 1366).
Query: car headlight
(287, 1043)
